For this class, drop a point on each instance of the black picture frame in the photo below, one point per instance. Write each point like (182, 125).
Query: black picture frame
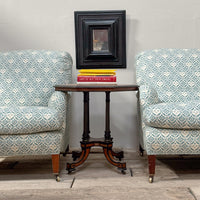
(100, 38)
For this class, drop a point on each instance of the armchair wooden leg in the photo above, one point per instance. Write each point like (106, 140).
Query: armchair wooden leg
(56, 166)
(152, 164)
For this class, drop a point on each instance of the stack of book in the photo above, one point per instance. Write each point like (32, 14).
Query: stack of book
(96, 76)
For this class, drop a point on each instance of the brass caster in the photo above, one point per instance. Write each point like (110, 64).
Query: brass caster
(57, 178)
(150, 179)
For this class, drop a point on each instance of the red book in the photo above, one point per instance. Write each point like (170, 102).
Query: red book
(96, 78)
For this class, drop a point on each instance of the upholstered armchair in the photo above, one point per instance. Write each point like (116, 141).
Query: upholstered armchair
(34, 118)
(169, 103)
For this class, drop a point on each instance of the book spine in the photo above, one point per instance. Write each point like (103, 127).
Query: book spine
(91, 82)
(96, 79)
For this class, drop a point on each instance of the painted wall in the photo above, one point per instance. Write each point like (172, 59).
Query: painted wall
(49, 24)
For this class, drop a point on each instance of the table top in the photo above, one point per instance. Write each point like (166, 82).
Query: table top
(95, 88)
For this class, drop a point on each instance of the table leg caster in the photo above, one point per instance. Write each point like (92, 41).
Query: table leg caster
(57, 178)
(69, 169)
(122, 170)
(150, 179)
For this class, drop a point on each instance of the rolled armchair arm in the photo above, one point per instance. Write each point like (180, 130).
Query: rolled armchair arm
(58, 101)
(147, 96)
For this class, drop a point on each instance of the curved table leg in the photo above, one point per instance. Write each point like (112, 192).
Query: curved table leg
(84, 154)
(109, 156)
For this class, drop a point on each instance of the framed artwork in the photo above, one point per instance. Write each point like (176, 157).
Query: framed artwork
(100, 39)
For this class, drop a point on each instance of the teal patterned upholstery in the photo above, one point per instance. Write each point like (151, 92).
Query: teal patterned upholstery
(169, 100)
(173, 115)
(29, 119)
(34, 118)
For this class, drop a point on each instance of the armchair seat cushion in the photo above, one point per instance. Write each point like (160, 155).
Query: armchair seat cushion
(29, 119)
(176, 115)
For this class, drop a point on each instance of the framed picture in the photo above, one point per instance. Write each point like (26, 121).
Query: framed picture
(100, 39)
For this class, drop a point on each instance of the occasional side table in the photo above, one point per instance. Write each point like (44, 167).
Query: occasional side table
(87, 142)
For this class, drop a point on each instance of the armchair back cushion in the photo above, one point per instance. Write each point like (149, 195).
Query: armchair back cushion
(173, 73)
(27, 77)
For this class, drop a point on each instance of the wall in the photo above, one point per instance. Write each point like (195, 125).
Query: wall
(49, 24)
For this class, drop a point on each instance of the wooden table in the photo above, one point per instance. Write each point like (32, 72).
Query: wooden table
(87, 142)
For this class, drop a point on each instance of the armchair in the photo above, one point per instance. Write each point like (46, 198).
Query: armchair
(169, 103)
(34, 118)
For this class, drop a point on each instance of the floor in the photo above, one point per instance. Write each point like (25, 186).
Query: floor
(31, 178)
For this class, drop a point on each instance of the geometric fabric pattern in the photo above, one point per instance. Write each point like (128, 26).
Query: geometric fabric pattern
(45, 143)
(29, 119)
(34, 117)
(169, 100)
(171, 141)
(183, 115)
(27, 77)
(173, 73)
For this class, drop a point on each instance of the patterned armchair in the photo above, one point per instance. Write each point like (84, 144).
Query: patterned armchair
(34, 118)
(169, 102)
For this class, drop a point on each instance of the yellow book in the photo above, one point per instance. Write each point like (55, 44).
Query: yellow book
(97, 71)
(96, 74)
